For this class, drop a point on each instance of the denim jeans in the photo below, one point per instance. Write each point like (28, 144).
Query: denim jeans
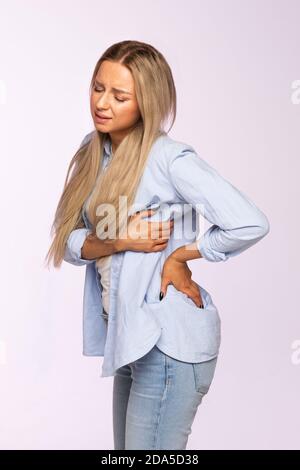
(155, 400)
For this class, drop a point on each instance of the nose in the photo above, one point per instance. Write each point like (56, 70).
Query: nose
(102, 102)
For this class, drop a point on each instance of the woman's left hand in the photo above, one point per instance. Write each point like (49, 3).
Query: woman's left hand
(178, 273)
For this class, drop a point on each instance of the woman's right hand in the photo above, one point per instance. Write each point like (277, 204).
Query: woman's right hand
(143, 235)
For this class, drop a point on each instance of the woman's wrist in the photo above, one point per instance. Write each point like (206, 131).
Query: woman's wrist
(186, 253)
(94, 247)
(119, 245)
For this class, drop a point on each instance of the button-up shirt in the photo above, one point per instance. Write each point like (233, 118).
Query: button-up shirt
(181, 185)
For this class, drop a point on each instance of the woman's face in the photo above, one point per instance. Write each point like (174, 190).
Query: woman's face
(119, 106)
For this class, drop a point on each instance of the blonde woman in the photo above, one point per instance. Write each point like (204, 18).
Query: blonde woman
(121, 215)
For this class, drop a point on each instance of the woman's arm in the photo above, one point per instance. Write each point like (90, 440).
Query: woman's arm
(83, 246)
(78, 236)
(186, 253)
(237, 222)
(139, 235)
(94, 247)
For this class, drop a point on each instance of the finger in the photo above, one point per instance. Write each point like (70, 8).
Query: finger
(194, 296)
(166, 229)
(162, 223)
(161, 241)
(200, 302)
(163, 234)
(165, 225)
(162, 237)
(159, 247)
(197, 295)
(164, 285)
(146, 213)
(197, 300)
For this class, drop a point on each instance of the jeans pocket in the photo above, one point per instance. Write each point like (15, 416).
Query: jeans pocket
(204, 374)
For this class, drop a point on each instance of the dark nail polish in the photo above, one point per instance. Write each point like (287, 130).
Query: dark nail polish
(161, 295)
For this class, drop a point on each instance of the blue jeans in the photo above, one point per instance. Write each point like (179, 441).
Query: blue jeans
(155, 400)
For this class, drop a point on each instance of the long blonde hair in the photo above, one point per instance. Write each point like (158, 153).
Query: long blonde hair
(156, 97)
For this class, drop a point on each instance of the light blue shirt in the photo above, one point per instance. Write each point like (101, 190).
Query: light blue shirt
(175, 177)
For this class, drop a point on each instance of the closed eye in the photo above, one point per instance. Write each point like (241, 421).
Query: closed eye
(98, 91)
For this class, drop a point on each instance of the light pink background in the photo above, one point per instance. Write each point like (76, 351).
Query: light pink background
(235, 64)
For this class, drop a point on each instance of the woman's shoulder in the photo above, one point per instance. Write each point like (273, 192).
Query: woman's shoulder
(165, 147)
(170, 145)
(170, 148)
(86, 139)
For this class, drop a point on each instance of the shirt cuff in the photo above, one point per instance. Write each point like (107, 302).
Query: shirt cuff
(74, 244)
(203, 245)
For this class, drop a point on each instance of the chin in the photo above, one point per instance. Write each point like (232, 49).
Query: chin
(101, 126)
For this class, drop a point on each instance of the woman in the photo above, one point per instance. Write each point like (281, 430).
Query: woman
(158, 330)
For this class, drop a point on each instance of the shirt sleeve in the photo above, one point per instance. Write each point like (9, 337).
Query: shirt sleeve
(237, 222)
(77, 237)
(74, 244)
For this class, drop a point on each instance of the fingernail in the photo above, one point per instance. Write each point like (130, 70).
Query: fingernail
(161, 295)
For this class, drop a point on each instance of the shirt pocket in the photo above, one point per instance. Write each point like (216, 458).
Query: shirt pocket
(194, 331)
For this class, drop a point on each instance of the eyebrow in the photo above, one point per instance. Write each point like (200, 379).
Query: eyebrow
(115, 89)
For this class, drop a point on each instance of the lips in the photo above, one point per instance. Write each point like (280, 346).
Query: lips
(102, 116)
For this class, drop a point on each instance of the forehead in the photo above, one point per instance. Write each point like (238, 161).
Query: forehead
(115, 75)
